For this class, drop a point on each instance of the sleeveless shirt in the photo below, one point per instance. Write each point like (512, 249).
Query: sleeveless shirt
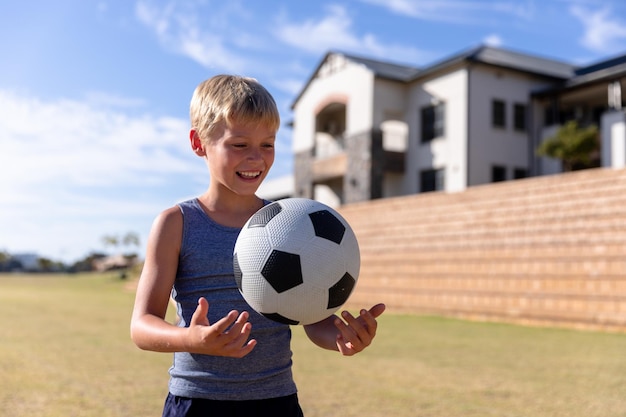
(205, 269)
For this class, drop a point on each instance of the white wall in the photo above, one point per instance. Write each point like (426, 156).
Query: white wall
(490, 145)
(549, 166)
(614, 139)
(336, 77)
(325, 194)
(393, 185)
(447, 152)
(390, 100)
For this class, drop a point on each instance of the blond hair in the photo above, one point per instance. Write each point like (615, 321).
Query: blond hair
(231, 98)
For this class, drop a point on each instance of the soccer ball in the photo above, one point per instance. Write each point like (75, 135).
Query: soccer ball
(296, 261)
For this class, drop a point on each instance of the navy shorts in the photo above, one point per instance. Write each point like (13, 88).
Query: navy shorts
(199, 407)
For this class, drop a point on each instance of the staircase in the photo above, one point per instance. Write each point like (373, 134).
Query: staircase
(544, 251)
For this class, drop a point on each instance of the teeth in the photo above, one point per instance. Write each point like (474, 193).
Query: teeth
(250, 174)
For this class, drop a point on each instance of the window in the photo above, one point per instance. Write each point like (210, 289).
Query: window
(549, 116)
(498, 173)
(433, 121)
(432, 180)
(519, 117)
(519, 173)
(498, 113)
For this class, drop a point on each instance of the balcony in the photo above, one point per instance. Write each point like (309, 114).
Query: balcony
(329, 168)
(330, 159)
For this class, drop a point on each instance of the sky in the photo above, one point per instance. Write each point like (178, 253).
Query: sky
(94, 95)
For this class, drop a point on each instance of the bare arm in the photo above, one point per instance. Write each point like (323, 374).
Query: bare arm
(149, 329)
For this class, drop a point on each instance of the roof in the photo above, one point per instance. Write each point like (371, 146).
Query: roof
(600, 72)
(507, 59)
(489, 55)
(602, 65)
(381, 69)
(385, 69)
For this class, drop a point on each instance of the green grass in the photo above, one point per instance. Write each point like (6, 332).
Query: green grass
(65, 351)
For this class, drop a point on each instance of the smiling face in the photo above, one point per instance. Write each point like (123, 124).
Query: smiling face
(239, 156)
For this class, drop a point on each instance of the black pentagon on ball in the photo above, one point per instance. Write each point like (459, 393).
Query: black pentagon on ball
(327, 226)
(339, 293)
(263, 216)
(279, 318)
(282, 270)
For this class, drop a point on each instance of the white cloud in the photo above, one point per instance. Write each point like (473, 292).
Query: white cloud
(335, 31)
(455, 11)
(604, 31)
(180, 31)
(80, 144)
(318, 36)
(73, 171)
(493, 40)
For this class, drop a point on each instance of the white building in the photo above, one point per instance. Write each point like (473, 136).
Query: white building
(366, 129)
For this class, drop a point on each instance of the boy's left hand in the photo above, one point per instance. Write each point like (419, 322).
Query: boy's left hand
(357, 333)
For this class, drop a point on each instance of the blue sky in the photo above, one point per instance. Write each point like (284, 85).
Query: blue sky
(94, 95)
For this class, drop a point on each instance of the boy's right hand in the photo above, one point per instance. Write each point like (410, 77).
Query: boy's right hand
(227, 337)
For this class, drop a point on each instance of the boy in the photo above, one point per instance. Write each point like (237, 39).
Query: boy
(228, 360)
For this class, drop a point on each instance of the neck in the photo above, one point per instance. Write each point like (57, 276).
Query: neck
(233, 210)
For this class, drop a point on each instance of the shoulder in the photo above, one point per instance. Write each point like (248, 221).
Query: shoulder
(170, 216)
(168, 223)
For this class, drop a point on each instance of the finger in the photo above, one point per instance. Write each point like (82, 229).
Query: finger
(349, 332)
(236, 341)
(240, 326)
(364, 326)
(236, 336)
(377, 310)
(221, 326)
(369, 322)
(348, 347)
(199, 316)
(244, 350)
(353, 323)
(345, 348)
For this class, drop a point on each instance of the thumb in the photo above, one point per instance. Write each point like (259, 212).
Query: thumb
(200, 315)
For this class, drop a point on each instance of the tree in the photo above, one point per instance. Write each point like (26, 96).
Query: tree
(129, 239)
(576, 147)
(110, 240)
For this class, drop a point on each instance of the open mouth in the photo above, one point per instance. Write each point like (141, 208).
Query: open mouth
(249, 174)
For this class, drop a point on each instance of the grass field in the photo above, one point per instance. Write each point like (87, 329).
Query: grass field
(65, 351)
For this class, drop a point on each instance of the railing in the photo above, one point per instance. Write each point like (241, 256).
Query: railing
(327, 145)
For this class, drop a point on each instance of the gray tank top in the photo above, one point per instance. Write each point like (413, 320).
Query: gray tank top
(205, 269)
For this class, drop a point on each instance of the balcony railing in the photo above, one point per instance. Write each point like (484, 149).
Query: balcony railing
(327, 145)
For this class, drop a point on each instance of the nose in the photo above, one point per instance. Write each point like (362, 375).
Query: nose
(254, 153)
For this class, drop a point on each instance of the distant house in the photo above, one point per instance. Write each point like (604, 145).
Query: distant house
(27, 261)
(366, 129)
(113, 262)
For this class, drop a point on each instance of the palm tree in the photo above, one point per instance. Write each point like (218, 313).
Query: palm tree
(576, 147)
(129, 239)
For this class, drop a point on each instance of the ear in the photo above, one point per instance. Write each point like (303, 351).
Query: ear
(196, 143)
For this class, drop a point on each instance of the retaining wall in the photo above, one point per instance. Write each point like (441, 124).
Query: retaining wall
(546, 251)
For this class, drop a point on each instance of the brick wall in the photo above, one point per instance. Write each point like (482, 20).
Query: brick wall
(548, 250)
